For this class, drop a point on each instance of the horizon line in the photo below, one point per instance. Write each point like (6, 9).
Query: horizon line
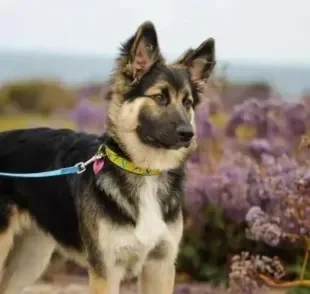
(110, 55)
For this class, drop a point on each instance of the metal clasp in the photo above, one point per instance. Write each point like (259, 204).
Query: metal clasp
(82, 165)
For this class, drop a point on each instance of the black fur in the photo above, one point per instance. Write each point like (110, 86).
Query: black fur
(55, 202)
(176, 77)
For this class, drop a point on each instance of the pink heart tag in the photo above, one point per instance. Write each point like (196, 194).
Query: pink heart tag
(97, 166)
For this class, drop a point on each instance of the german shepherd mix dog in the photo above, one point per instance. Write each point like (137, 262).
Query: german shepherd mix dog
(122, 218)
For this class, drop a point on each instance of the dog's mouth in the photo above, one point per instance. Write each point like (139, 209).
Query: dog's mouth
(167, 145)
(163, 139)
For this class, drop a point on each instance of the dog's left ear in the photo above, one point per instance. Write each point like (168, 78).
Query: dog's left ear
(141, 50)
(200, 62)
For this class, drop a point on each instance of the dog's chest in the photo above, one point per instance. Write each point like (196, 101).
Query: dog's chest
(129, 247)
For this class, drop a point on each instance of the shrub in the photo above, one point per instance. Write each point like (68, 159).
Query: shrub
(36, 96)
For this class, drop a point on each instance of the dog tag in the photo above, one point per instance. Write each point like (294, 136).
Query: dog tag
(97, 166)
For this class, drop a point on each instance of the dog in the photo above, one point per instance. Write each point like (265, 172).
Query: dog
(121, 218)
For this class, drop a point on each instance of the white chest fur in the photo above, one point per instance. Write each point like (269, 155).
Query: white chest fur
(150, 224)
(127, 247)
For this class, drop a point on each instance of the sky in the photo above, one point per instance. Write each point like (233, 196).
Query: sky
(263, 30)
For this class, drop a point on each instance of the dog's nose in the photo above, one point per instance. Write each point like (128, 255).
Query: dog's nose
(185, 132)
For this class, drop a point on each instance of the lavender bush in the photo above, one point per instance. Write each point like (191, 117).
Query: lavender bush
(247, 190)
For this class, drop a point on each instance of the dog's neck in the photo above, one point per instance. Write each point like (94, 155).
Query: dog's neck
(116, 156)
(141, 155)
(111, 143)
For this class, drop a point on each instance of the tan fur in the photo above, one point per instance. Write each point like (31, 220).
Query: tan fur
(27, 260)
(123, 118)
(156, 276)
(125, 250)
(175, 96)
(79, 258)
(6, 242)
(18, 222)
(125, 121)
(156, 89)
(97, 285)
(148, 157)
(132, 245)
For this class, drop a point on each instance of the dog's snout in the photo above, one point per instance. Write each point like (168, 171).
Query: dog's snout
(185, 132)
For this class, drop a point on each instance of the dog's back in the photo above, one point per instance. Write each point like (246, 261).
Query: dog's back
(33, 150)
(33, 209)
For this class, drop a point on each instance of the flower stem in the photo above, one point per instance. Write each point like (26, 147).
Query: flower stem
(278, 284)
(305, 262)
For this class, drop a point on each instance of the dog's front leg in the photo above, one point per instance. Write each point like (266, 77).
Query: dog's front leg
(157, 277)
(158, 273)
(104, 276)
(99, 284)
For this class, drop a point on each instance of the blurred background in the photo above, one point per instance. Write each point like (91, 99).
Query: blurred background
(55, 60)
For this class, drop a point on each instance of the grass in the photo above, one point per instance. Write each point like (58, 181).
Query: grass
(22, 121)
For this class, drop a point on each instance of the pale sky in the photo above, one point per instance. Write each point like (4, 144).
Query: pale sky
(267, 30)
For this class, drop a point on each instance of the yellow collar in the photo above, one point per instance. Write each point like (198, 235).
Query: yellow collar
(126, 164)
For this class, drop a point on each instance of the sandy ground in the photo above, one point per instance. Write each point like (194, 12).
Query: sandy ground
(82, 288)
(79, 286)
(79, 289)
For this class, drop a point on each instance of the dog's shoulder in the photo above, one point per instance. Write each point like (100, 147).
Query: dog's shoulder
(45, 138)
(45, 147)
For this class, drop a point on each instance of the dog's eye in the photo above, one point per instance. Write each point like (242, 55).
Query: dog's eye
(187, 103)
(160, 99)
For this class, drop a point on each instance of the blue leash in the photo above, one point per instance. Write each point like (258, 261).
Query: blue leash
(75, 169)
(52, 173)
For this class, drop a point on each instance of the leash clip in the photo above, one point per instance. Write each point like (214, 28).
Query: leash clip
(82, 165)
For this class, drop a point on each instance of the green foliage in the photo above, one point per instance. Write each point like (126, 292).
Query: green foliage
(208, 247)
(294, 268)
(36, 96)
(299, 290)
(205, 251)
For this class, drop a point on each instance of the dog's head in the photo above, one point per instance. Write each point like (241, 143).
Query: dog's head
(151, 112)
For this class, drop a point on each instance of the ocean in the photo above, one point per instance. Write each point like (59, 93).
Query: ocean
(291, 81)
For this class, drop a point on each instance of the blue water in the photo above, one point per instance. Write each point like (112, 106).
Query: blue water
(289, 80)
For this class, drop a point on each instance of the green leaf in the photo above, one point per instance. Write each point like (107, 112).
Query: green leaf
(209, 271)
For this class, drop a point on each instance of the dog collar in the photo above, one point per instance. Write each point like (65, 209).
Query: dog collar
(126, 164)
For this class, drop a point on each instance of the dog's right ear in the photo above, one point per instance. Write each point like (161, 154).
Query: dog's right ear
(141, 51)
(200, 62)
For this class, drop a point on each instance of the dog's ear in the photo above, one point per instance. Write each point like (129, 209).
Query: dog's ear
(200, 62)
(141, 51)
